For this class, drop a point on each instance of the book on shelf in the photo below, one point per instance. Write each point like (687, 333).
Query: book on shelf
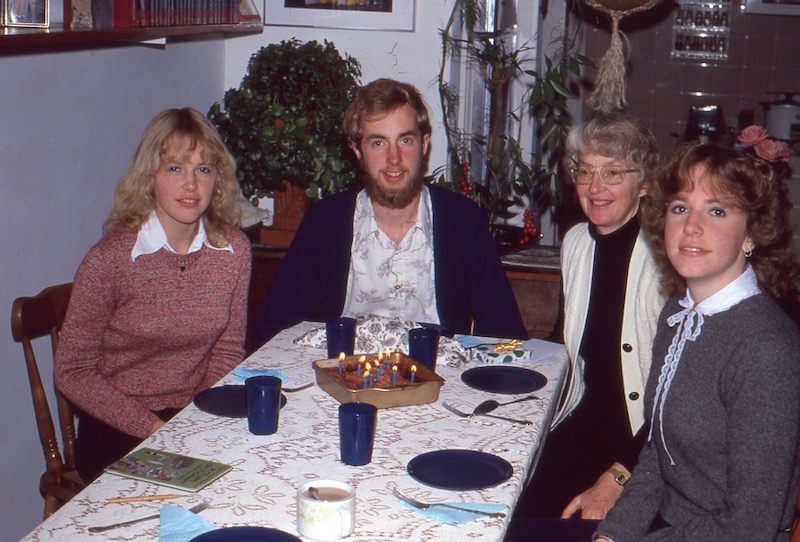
(168, 469)
(149, 13)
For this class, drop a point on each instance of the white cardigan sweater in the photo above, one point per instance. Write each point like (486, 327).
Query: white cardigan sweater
(642, 306)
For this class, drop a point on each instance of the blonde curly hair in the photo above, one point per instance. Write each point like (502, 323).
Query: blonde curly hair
(173, 136)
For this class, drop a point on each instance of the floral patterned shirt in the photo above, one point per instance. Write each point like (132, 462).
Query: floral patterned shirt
(387, 278)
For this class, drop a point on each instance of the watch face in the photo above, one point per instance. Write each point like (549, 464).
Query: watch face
(619, 477)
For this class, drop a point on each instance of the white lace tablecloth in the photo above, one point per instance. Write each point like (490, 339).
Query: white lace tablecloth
(260, 489)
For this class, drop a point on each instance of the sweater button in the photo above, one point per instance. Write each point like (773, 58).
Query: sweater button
(634, 395)
(627, 347)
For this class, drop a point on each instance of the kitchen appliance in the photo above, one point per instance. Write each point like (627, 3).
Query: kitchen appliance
(705, 124)
(782, 117)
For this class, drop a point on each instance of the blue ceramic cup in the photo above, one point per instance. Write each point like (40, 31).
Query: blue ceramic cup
(357, 422)
(263, 404)
(341, 336)
(423, 346)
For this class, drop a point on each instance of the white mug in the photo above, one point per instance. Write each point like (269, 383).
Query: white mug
(328, 513)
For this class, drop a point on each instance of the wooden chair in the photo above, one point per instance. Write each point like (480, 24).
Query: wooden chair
(31, 318)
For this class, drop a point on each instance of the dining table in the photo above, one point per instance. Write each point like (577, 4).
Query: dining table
(261, 487)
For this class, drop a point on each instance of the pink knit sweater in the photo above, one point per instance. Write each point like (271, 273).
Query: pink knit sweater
(143, 336)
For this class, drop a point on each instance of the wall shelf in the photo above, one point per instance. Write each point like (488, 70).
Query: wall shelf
(14, 40)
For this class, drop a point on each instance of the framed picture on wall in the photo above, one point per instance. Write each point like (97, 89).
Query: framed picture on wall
(354, 14)
(248, 11)
(31, 13)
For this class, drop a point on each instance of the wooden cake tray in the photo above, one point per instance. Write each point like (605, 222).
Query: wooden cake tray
(425, 388)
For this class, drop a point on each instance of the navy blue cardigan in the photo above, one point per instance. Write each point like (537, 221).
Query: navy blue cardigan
(470, 281)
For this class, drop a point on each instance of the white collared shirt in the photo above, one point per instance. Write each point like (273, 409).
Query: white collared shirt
(387, 278)
(152, 238)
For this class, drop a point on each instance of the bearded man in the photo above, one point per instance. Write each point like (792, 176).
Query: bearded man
(397, 247)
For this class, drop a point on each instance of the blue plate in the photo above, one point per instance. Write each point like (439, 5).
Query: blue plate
(503, 379)
(246, 534)
(459, 470)
(229, 401)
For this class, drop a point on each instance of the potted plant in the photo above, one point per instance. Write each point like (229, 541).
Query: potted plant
(283, 123)
(506, 176)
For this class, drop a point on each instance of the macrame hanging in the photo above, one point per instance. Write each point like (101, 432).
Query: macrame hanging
(609, 92)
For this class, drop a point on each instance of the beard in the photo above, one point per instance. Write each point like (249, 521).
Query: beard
(397, 197)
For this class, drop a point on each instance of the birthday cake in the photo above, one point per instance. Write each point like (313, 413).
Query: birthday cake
(373, 371)
(372, 378)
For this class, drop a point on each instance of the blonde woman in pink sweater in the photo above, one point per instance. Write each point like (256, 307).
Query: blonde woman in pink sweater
(158, 309)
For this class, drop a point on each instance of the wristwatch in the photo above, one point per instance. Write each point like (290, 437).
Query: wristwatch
(619, 477)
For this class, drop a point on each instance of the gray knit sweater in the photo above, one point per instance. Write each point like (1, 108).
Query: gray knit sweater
(731, 425)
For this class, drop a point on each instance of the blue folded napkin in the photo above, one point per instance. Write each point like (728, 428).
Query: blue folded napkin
(241, 374)
(452, 516)
(181, 525)
(468, 341)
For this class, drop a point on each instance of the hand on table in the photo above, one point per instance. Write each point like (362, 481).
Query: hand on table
(595, 502)
(158, 424)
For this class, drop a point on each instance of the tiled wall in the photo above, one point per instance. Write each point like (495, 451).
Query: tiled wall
(764, 55)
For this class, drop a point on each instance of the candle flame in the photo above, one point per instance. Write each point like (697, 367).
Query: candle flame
(380, 356)
(394, 368)
(366, 374)
(413, 368)
(368, 367)
(341, 356)
(362, 359)
(387, 351)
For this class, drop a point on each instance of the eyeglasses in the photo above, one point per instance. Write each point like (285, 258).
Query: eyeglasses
(582, 173)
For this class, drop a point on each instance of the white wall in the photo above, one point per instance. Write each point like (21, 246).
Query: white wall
(69, 123)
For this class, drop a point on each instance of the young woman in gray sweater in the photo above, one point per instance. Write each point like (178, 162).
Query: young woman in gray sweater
(721, 460)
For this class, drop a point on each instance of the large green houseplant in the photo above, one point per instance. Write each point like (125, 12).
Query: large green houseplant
(283, 123)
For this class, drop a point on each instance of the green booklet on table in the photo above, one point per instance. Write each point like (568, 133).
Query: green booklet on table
(168, 469)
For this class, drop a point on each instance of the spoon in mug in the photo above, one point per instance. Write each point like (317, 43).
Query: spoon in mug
(490, 404)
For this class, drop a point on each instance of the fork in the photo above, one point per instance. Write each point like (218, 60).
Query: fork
(424, 505)
(196, 508)
(457, 412)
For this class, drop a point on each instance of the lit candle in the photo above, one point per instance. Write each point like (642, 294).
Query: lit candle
(394, 376)
(413, 373)
(380, 372)
(341, 362)
(361, 361)
(388, 356)
(366, 379)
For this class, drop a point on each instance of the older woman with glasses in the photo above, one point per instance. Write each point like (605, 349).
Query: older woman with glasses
(612, 303)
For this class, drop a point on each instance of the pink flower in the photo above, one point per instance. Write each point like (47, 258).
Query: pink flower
(773, 150)
(752, 135)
